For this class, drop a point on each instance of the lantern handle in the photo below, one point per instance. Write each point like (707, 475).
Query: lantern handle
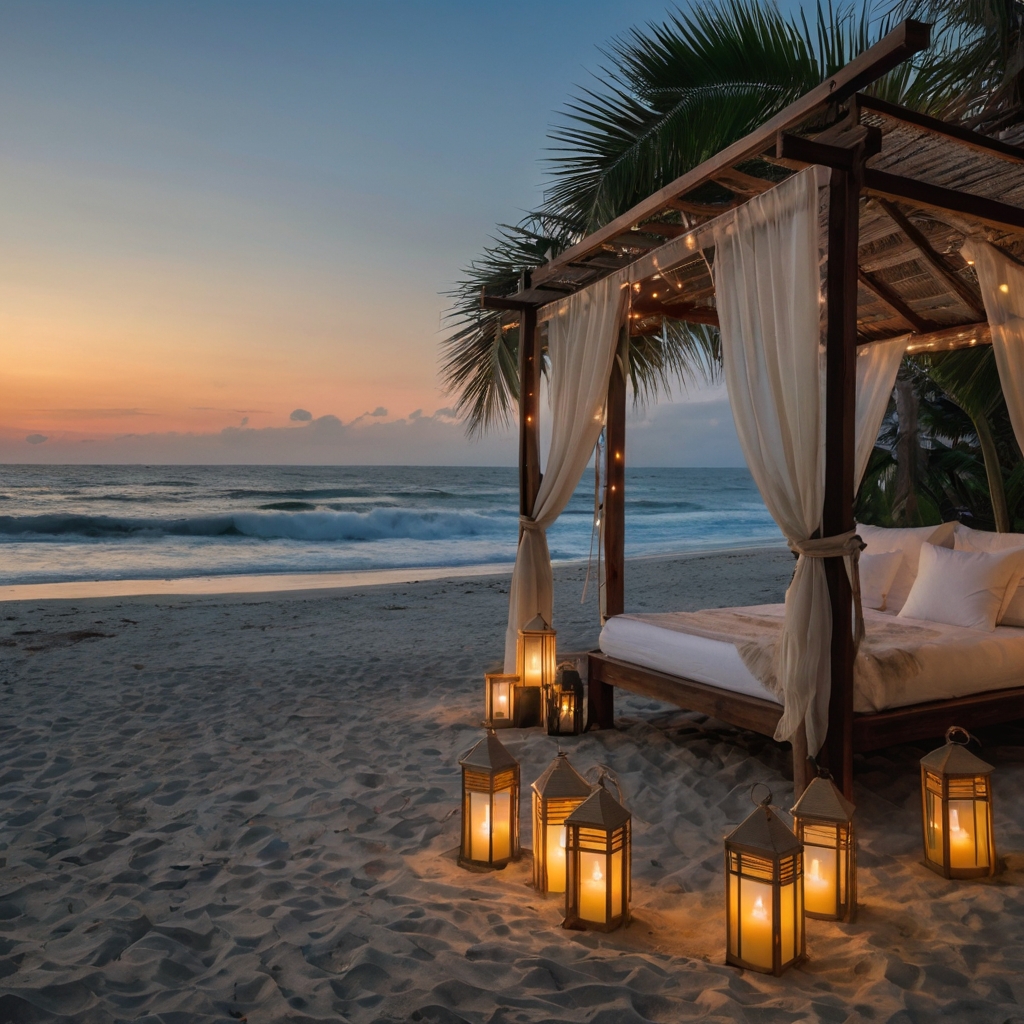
(766, 802)
(819, 770)
(953, 730)
(604, 772)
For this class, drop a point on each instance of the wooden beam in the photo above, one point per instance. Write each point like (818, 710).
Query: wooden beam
(810, 151)
(709, 210)
(529, 412)
(975, 140)
(666, 230)
(902, 42)
(950, 338)
(742, 183)
(895, 302)
(935, 197)
(501, 303)
(615, 491)
(840, 420)
(934, 261)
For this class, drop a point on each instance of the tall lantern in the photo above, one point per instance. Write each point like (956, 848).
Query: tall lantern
(556, 794)
(535, 653)
(499, 692)
(823, 822)
(598, 848)
(764, 893)
(956, 796)
(564, 711)
(490, 805)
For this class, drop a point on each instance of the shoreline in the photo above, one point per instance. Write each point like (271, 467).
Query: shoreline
(276, 583)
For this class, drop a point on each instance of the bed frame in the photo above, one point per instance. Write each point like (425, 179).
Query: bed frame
(794, 138)
(870, 731)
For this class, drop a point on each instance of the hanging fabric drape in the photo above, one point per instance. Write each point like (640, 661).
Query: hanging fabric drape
(877, 366)
(582, 340)
(1002, 289)
(767, 287)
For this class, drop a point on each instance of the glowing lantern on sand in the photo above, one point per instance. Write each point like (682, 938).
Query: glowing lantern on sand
(565, 703)
(598, 862)
(956, 795)
(764, 893)
(535, 653)
(490, 805)
(556, 794)
(499, 690)
(823, 822)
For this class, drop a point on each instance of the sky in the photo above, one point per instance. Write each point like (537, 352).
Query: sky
(226, 229)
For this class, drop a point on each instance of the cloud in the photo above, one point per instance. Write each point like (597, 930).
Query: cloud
(36, 438)
(245, 421)
(379, 411)
(416, 414)
(300, 416)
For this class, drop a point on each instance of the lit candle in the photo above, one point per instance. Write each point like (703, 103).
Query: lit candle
(593, 888)
(556, 858)
(961, 842)
(532, 663)
(820, 884)
(484, 829)
(502, 704)
(756, 926)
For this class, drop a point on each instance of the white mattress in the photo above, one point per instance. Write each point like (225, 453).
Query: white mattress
(956, 663)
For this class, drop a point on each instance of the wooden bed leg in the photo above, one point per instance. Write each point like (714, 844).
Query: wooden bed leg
(801, 769)
(600, 705)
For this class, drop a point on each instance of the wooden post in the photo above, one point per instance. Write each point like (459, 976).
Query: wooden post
(840, 419)
(529, 408)
(601, 696)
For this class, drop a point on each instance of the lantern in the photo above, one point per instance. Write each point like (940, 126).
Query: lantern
(556, 794)
(564, 711)
(597, 863)
(535, 653)
(499, 692)
(490, 805)
(823, 822)
(764, 893)
(956, 795)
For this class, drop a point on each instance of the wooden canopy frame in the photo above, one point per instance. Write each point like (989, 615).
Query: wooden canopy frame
(905, 191)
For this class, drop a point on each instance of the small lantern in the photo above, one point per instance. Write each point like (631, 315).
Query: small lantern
(598, 848)
(823, 822)
(556, 794)
(764, 893)
(499, 692)
(956, 795)
(490, 805)
(565, 702)
(535, 653)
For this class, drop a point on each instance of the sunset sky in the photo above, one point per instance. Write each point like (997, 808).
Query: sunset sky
(216, 216)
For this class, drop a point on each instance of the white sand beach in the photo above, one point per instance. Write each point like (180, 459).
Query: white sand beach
(245, 807)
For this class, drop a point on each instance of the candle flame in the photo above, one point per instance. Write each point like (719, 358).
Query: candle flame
(596, 873)
(759, 910)
(815, 869)
(561, 839)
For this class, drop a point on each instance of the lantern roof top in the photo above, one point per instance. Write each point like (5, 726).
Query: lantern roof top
(536, 625)
(955, 759)
(601, 810)
(764, 830)
(821, 799)
(490, 755)
(560, 780)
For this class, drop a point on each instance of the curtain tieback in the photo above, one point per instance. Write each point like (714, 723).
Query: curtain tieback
(844, 545)
(526, 523)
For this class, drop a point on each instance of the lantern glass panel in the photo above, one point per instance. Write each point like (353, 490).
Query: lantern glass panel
(555, 857)
(489, 826)
(825, 868)
(499, 695)
(533, 660)
(933, 817)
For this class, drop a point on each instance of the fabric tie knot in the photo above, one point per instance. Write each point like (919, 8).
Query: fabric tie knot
(843, 545)
(526, 523)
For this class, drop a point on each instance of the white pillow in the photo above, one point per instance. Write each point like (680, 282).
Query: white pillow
(961, 588)
(876, 575)
(879, 539)
(965, 539)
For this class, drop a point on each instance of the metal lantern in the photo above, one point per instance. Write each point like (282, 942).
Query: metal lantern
(956, 796)
(535, 653)
(499, 693)
(823, 822)
(598, 848)
(556, 794)
(564, 702)
(764, 893)
(490, 805)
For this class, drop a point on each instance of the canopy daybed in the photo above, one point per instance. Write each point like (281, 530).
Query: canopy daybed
(841, 196)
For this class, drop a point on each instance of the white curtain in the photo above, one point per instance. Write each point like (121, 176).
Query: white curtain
(582, 340)
(767, 287)
(877, 366)
(1002, 288)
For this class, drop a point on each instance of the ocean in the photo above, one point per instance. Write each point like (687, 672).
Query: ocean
(71, 523)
